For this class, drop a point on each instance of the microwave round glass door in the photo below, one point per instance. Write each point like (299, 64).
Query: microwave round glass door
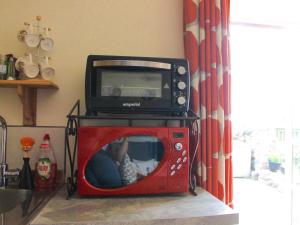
(124, 161)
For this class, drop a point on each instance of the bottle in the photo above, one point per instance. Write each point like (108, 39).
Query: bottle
(46, 166)
(3, 67)
(11, 74)
(26, 178)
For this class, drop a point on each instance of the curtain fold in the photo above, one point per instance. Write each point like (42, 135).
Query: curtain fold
(207, 49)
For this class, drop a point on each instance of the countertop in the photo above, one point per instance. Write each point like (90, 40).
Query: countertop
(146, 210)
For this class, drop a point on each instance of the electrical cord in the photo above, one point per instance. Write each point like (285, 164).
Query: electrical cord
(192, 178)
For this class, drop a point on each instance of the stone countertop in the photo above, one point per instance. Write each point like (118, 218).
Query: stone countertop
(159, 209)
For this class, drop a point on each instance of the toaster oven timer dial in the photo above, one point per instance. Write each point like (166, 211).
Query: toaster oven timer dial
(181, 85)
(181, 70)
(178, 146)
(181, 100)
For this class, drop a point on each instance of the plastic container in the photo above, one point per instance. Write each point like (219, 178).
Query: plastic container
(46, 166)
(3, 67)
(11, 73)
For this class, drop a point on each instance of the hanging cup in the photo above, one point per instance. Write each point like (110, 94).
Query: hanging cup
(31, 70)
(31, 40)
(47, 43)
(46, 70)
(21, 61)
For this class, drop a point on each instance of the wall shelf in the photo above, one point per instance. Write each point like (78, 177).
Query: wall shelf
(27, 91)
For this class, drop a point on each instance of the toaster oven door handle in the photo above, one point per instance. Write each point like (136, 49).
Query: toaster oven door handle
(132, 63)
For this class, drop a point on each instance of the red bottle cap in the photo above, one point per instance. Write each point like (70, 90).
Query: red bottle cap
(46, 137)
(46, 140)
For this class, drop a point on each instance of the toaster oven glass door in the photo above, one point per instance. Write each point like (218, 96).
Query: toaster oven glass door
(124, 161)
(115, 88)
(131, 84)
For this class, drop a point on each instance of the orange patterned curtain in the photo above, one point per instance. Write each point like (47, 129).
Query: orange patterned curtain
(207, 49)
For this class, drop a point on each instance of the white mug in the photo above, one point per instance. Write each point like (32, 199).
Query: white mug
(31, 70)
(47, 43)
(21, 61)
(31, 40)
(46, 70)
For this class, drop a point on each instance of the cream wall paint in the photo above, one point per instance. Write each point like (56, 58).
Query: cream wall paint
(80, 28)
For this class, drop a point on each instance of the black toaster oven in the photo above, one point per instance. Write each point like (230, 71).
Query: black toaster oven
(126, 84)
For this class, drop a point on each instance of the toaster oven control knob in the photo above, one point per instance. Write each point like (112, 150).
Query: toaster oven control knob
(181, 70)
(181, 85)
(178, 146)
(181, 100)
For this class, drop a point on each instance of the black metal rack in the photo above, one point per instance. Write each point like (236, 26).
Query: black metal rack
(74, 119)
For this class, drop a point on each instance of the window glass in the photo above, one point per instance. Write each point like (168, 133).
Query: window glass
(264, 38)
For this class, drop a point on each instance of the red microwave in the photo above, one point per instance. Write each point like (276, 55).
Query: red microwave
(132, 160)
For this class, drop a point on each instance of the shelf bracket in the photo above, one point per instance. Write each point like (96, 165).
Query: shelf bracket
(28, 96)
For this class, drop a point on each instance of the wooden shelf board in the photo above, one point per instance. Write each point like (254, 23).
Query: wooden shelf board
(27, 91)
(33, 83)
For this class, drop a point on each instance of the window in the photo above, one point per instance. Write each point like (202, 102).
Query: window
(265, 50)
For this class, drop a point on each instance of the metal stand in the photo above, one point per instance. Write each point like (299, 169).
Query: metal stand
(71, 132)
(40, 30)
(73, 123)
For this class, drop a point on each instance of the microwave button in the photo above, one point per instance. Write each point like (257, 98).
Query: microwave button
(173, 167)
(184, 159)
(178, 146)
(181, 100)
(172, 173)
(181, 85)
(181, 70)
(179, 166)
(178, 160)
(183, 153)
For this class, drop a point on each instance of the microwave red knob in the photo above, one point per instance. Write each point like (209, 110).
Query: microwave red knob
(181, 70)
(178, 146)
(181, 85)
(181, 100)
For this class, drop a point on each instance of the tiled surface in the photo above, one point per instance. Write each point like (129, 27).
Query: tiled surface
(176, 210)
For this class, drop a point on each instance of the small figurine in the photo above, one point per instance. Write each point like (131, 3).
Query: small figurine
(26, 179)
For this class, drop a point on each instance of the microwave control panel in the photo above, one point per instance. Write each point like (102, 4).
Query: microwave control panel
(178, 170)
